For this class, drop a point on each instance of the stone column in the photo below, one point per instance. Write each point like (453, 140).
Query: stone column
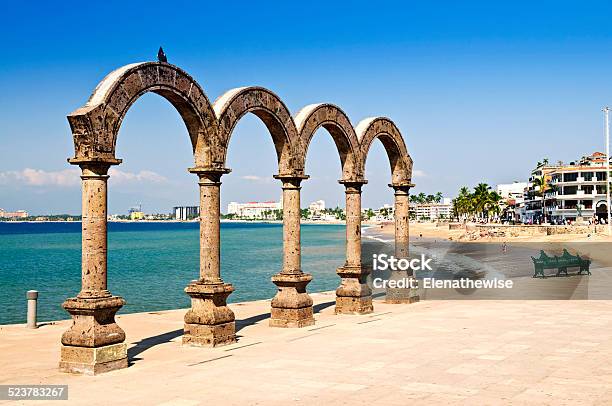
(209, 322)
(94, 343)
(402, 206)
(353, 296)
(292, 306)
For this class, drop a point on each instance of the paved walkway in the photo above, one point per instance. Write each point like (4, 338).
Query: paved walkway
(432, 352)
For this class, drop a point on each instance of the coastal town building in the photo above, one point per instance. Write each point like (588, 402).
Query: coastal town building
(513, 190)
(184, 213)
(433, 210)
(531, 211)
(253, 210)
(578, 190)
(571, 191)
(316, 207)
(19, 214)
(384, 213)
(513, 200)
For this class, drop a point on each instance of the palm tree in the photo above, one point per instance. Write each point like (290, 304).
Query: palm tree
(494, 203)
(543, 186)
(463, 204)
(481, 194)
(438, 197)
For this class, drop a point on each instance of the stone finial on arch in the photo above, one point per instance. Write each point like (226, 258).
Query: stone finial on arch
(268, 107)
(310, 118)
(387, 132)
(96, 124)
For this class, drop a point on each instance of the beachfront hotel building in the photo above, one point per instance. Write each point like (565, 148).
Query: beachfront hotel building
(432, 211)
(575, 190)
(253, 210)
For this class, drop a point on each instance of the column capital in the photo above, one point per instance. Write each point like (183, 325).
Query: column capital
(401, 188)
(352, 185)
(209, 174)
(291, 181)
(94, 167)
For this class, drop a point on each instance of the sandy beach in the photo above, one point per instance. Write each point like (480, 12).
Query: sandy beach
(441, 231)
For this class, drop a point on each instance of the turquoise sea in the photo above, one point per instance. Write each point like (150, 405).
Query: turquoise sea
(149, 264)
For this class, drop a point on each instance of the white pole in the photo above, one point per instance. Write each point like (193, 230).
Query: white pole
(607, 125)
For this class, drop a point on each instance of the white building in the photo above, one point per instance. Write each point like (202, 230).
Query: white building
(513, 203)
(532, 210)
(185, 213)
(384, 213)
(316, 207)
(570, 191)
(432, 211)
(578, 190)
(512, 190)
(253, 210)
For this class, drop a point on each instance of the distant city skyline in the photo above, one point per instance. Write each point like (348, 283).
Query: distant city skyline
(481, 92)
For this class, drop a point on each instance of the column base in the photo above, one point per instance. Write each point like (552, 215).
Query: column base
(94, 343)
(201, 335)
(93, 361)
(402, 295)
(93, 322)
(209, 322)
(353, 296)
(292, 306)
(354, 305)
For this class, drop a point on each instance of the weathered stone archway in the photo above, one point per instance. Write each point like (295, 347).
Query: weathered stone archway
(95, 125)
(400, 161)
(353, 296)
(94, 335)
(95, 343)
(291, 307)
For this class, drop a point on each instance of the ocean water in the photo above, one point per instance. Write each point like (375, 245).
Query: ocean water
(149, 264)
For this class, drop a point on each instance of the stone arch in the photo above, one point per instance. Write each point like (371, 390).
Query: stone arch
(387, 132)
(268, 107)
(96, 124)
(336, 122)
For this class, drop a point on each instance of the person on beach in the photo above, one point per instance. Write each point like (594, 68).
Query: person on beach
(504, 247)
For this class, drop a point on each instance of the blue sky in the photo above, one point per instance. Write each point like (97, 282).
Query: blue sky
(480, 90)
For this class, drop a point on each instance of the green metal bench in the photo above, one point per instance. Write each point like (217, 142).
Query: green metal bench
(560, 263)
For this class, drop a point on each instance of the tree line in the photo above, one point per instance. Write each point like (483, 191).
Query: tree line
(480, 204)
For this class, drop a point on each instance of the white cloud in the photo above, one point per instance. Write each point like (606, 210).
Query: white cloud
(39, 177)
(119, 177)
(70, 177)
(258, 179)
(251, 177)
(417, 173)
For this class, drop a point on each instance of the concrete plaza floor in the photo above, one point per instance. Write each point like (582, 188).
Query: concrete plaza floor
(432, 352)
